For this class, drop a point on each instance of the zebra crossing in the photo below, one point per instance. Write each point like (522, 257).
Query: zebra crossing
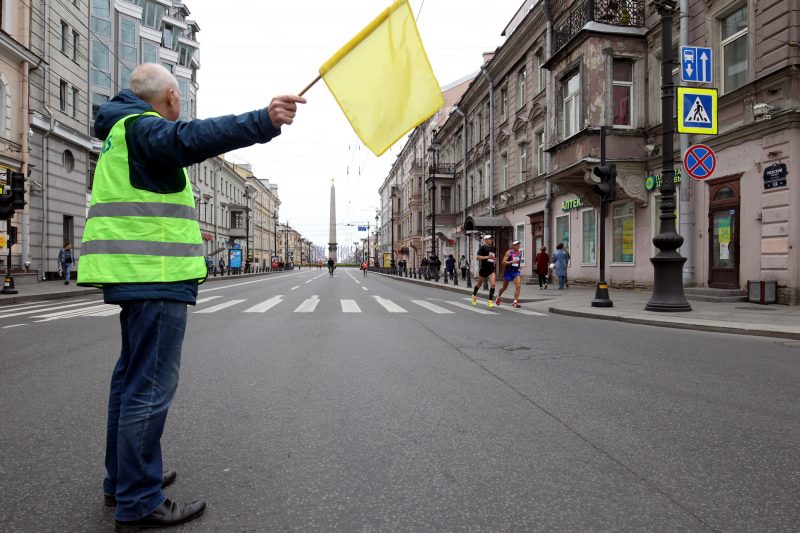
(218, 304)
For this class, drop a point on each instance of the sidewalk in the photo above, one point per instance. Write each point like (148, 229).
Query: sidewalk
(741, 318)
(53, 290)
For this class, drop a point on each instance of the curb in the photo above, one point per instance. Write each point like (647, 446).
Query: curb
(736, 329)
(448, 287)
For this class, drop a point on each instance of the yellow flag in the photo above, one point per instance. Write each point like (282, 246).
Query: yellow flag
(382, 79)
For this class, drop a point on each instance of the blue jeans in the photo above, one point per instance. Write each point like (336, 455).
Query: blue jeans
(67, 268)
(562, 281)
(143, 385)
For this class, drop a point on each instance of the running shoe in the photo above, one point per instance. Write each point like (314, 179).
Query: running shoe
(474, 300)
(515, 304)
(489, 304)
(497, 302)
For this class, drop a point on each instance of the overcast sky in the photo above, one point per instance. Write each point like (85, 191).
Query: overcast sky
(251, 50)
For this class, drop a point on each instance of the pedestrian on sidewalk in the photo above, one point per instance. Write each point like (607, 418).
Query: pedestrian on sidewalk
(541, 263)
(221, 266)
(463, 265)
(511, 260)
(66, 258)
(560, 260)
(449, 266)
(486, 258)
(141, 187)
(209, 265)
(423, 265)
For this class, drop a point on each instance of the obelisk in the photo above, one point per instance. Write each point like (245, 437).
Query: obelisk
(332, 248)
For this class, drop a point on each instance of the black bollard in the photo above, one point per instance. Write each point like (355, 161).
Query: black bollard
(445, 277)
(469, 279)
(455, 278)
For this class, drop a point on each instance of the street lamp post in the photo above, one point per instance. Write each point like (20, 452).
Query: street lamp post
(247, 198)
(433, 169)
(668, 263)
(274, 236)
(377, 230)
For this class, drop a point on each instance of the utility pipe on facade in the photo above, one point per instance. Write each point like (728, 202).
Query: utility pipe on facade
(463, 163)
(548, 128)
(46, 142)
(685, 188)
(490, 177)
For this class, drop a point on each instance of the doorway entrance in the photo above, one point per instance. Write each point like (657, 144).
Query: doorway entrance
(723, 230)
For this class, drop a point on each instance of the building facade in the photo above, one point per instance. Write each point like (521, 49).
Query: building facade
(529, 140)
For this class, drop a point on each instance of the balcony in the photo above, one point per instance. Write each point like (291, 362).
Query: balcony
(442, 170)
(628, 13)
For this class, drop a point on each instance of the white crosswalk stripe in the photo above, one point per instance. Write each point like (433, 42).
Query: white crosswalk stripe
(207, 299)
(433, 307)
(472, 308)
(309, 305)
(520, 310)
(74, 312)
(223, 305)
(350, 306)
(389, 305)
(41, 310)
(265, 305)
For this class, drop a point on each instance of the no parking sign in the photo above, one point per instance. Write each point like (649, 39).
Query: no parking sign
(699, 161)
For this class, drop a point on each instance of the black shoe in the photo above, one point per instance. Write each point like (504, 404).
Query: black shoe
(167, 479)
(167, 514)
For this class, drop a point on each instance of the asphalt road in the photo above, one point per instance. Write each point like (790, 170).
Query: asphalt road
(347, 404)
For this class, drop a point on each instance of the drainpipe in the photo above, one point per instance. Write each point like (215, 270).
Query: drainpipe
(490, 177)
(25, 142)
(685, 187)
(464, 167)
(46, 143)
(549, 127)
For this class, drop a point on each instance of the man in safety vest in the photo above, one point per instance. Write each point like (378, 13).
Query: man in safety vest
(142, 245)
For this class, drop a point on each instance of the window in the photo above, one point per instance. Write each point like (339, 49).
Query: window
(68, 161)
(183, 86)
(127, 41)
(571, 105)
(489, 178)
(444, 193)
(470, 134)
(589, 223)
(538, 61)
(97, 101)
(623, 230)
(101, 8)
(504, 170)
(62, 96)
(504, 104)
(562, 231)
(523, 163)
(125, 76)
(519, 235)
(151, 15)
(149, 52)
(734, 49)
(64, 37)
(622, 87)
(75, 96)
(480, 183)
(539, 139)
(75, 45)
(100, 64)
(521, 79)
(480, 127)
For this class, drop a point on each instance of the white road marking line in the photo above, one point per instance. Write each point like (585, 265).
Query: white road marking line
(350, 306)
(471, 308)
(352, 277)
(366, 289)
(14, 326)
(265, 305)
(317, 277)
(433, 307)
(207, 299)
(271, 278)
(309, 305)
(389, 305)
(520, 310)
(223, 305)
(31, 305)
(73, 313)
(295, 287)
(34, 311)
(115, 311)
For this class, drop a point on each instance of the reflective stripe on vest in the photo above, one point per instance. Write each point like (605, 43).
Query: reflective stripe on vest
(134, 235)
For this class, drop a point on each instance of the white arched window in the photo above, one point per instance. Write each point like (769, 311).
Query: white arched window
(5, 108)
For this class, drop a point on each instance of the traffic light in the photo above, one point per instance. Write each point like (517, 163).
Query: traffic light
(6, 209)
(607, 188)
(18, 190)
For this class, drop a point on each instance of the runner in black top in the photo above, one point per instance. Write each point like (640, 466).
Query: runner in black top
(331, 266)
(486, 256)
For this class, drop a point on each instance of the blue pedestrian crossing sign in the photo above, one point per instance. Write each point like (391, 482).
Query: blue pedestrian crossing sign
(696, 64)
(697, 110)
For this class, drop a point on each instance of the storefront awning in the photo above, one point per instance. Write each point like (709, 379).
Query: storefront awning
(477, 223)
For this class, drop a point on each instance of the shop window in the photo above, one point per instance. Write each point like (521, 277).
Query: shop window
(623, 231)
(725, 193)
(562, 231)
(622, 92)
(734, 49)
(589, 236)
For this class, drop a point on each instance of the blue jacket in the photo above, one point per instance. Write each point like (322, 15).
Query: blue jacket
(561, 259)
(155, 145)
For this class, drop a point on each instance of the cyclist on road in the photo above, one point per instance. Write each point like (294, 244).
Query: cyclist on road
(486, 257)
(511, 261)
(331, 266)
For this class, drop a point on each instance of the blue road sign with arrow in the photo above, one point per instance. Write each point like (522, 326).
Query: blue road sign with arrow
(696, 64)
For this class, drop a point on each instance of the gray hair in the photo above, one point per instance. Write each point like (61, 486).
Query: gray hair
(151, 79)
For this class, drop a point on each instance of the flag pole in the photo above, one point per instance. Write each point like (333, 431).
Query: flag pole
(310, 85)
